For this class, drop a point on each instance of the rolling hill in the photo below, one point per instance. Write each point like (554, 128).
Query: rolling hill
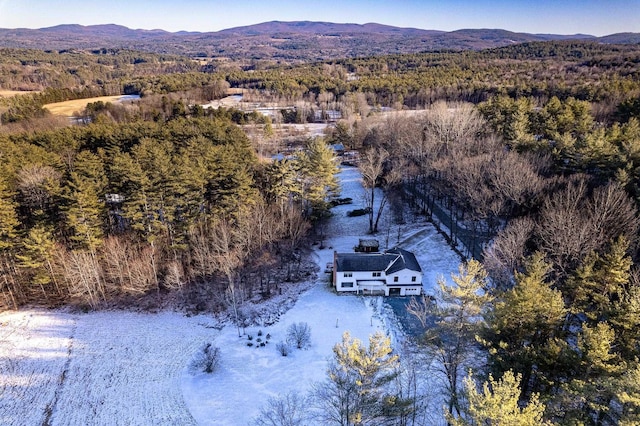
(280, 41)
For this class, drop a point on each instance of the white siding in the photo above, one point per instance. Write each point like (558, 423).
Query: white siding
(354, 278)
(349, 283)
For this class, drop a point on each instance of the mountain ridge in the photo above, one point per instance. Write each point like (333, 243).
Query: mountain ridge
(283, 41)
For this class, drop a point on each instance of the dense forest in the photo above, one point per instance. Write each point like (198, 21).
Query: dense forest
(534, 147)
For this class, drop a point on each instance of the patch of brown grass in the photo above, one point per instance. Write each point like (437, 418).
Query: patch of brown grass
(11, 93)
(69, 108)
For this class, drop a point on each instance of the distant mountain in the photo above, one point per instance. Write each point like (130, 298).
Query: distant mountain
(621, 38)
(281, 41)
(323, 28)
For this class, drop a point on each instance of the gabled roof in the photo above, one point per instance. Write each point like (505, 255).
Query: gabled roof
(390, 261)
(406, 260)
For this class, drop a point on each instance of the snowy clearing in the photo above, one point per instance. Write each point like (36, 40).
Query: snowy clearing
(123, 368)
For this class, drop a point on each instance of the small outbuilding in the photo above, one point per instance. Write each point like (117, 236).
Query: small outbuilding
(367, 245)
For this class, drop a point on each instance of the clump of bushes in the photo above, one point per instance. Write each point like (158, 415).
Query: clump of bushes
(259, 342)
(282, 348)
(207, 359)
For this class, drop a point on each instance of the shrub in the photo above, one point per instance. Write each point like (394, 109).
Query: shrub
(249, 344)
(259, 332)
(282, 348)
(299, 335)
(207, 359)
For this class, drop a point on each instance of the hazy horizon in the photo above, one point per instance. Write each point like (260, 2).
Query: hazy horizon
(592, 17)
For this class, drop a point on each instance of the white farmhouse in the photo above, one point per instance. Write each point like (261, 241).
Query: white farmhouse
(395, 272)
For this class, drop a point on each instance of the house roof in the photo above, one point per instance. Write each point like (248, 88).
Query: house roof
(363, 261)
(407, 260)
(390, 261)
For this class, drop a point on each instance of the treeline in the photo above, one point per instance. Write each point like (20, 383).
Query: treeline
(586, 71)
(569, 132)
(27, 69)
(104, 212)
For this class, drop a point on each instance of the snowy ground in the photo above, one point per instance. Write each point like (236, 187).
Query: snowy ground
(122, 368)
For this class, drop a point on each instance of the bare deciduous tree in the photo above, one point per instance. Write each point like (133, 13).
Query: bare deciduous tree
(126, 267)
(376, 171)
(229, 257)
(371, 167)
(288, 410)
(38, 184)
(573, 223)
(299, 335)
(505, 254)
(83, 277)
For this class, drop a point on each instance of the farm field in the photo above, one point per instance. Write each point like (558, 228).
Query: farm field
(69, 108)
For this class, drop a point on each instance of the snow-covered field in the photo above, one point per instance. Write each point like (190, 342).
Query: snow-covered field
(123, 368)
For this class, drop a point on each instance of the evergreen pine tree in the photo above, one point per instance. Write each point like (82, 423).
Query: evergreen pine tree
(498, 404)
(524, 330)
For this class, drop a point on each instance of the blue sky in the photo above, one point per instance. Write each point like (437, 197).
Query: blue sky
(597, 17)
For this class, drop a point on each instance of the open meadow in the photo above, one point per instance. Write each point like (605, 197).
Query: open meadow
(70, 108)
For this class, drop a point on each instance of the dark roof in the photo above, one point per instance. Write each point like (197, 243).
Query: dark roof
(364, 261)
(391, 261)
(407, 261)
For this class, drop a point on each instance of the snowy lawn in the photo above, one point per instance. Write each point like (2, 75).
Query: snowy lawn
(104, 368)
(123, 368)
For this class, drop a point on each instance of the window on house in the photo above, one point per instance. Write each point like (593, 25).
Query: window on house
(413, 279)
(348, 274)
(350, 284)
(395, 279)
(376, 274)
